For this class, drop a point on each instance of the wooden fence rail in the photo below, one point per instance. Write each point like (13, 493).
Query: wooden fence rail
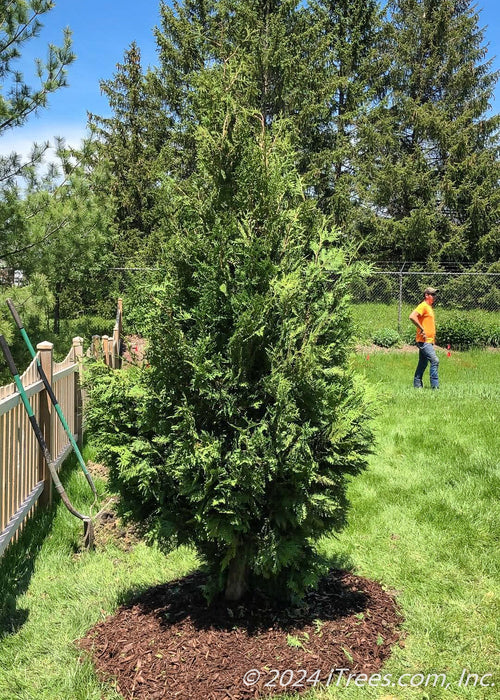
(24, 476)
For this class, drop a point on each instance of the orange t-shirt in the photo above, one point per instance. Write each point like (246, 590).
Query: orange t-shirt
(425, 314)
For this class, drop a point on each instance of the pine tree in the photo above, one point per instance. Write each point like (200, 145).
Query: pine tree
(130, 141)
(68, 227)
(348, 78)
(20, 22)
(430, 186)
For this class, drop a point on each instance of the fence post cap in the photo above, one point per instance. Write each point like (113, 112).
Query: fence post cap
(45, 345)
(78, 340)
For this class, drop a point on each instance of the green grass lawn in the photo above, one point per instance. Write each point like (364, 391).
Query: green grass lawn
(425, 516)
(424, 522)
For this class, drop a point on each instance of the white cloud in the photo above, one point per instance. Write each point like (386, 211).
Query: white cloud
(21, 140)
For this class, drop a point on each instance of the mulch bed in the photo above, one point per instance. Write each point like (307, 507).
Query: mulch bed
(167, 643)
(134, 350)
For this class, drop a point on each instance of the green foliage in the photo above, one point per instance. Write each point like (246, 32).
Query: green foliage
(386, 338)
(67, 237)
(431, 164)
(343, 44)
(470, 291)
(87, 326)
(34, 303)
(240, 434)
(20, 22)
(463, 331)
(129, 143)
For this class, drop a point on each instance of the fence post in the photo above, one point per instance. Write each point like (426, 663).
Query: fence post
(119, 330)
(46, 350)
(96, 342)
(105, 349)
(78, 357)
(400, 304)
(120, 318)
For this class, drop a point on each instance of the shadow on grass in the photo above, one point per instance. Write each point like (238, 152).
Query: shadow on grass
(340, 561)
(18, 562)
(17, 566)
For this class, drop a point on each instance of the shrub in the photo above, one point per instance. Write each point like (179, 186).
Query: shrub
(87, 326)
(462, 331)
(387, 338)
(491, 300)
(493, 334)
(469, 291)
(408, 335)
(359, 289)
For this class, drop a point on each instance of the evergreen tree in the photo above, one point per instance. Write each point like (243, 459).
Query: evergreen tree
(241, 432)
(129, 143)
(348, 79)
(431, 183)
(67, 236)
(20, 22)
(281, 43)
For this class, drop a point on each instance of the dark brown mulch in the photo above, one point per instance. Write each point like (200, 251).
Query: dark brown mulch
(168, 644)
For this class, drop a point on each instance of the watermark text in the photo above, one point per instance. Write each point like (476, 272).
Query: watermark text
(303, 678)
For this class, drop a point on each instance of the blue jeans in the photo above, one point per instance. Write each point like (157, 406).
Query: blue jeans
(426, 354)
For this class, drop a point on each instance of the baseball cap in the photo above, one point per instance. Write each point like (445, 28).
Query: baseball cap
(431, 290)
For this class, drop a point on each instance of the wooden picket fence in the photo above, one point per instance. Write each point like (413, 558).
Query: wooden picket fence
(109, 348)
(24, 476)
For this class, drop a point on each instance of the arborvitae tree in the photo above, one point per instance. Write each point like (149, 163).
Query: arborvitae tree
(242, 430)
(431, 183)
(282, 44)
(130, 141)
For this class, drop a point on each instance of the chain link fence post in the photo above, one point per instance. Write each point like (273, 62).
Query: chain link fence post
(400, 304)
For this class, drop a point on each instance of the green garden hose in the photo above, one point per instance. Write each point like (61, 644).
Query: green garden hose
(53, 398)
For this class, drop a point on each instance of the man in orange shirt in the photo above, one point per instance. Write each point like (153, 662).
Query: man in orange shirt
(423, 318)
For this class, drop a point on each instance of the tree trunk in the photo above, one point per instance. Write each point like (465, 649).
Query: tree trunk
(236, 584)
(57, 311)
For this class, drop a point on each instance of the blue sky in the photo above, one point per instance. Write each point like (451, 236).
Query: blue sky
(102, 31)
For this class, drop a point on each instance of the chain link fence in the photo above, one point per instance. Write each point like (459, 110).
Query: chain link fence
(467, 307)
(384, 299)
